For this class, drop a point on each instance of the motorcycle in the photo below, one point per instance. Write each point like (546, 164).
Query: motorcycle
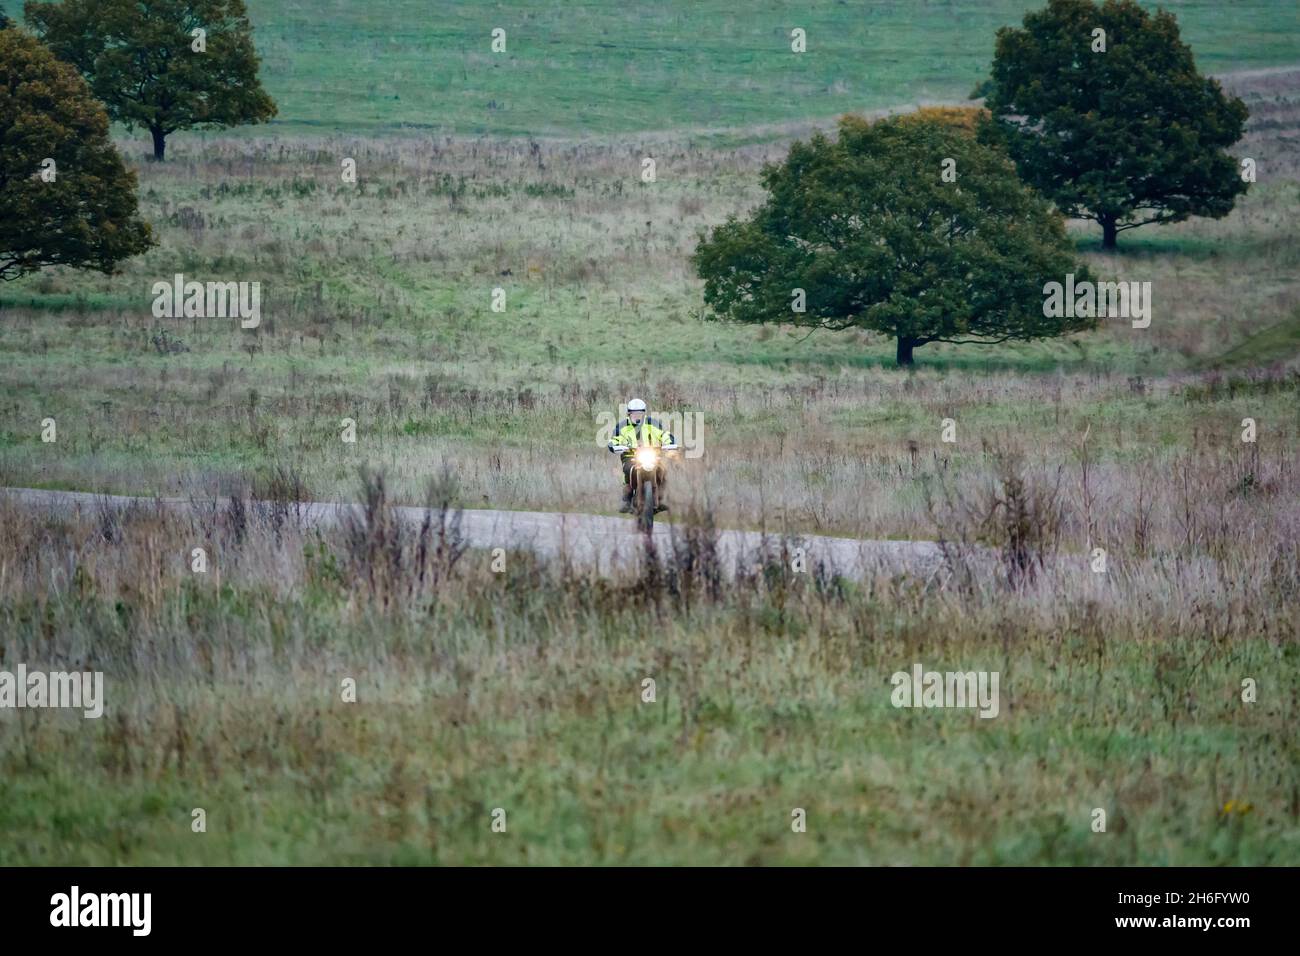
(647, 478)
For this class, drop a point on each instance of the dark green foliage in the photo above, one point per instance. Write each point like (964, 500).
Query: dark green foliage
(65, 197)
(877, 238)
(1126, 137)
(139, 59)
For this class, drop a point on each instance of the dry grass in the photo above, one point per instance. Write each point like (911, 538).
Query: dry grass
(522, 689)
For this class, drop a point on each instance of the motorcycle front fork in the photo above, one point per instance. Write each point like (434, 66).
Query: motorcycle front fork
(638, 475)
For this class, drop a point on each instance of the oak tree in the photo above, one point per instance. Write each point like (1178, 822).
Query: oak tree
(65, 196)
(163, 65)
(909, 227)
(1102, 109)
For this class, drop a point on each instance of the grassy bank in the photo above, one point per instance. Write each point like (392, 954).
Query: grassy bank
(523, 690)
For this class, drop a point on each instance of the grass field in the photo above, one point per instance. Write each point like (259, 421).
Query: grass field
(594, 68)
(600, 68)
(520, 690)
(376, 307)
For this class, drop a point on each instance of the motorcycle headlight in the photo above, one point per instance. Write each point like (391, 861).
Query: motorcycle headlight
(647, 457)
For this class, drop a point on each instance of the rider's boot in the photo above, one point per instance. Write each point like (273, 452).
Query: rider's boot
(626, 507)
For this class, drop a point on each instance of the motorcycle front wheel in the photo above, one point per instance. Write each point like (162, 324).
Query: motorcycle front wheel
(646, 518)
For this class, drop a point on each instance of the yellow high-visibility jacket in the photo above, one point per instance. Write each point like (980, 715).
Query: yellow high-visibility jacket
(649, 432)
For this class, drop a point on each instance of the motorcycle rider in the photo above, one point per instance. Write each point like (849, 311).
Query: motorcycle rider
(636, 430)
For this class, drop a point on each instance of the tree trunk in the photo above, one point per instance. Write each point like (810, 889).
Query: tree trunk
(159, 144)
(905, 350)
(1108, 232)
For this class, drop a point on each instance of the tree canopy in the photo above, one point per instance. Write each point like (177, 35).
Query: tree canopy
(909, 227)
(1103, 111)
(65, 196)
(165, 65)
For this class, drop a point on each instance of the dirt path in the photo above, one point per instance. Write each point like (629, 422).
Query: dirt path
(606, 542)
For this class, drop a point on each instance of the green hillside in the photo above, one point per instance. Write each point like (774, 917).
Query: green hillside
(574, 66)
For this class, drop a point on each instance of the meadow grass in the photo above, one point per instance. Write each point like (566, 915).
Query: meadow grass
(702, 64)
(376, 307)
(522, 689)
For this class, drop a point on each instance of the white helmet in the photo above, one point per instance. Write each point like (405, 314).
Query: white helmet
(635, 405)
